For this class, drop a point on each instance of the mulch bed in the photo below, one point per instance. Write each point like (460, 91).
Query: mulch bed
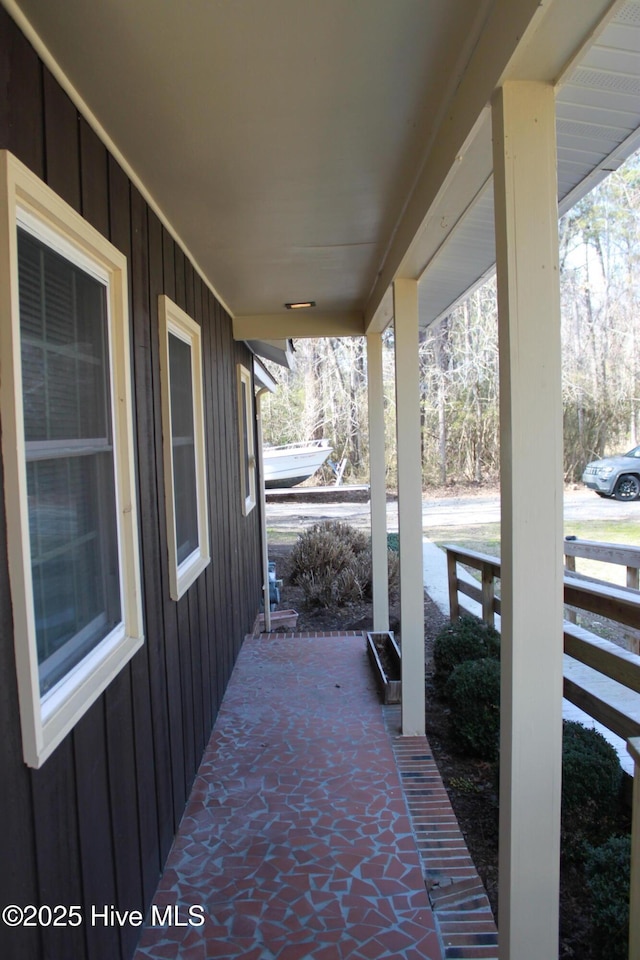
(471, 784)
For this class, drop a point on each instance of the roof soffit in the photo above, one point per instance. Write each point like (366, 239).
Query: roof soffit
(521, 41)
(279, 140)
(312, 150)
(456, 235)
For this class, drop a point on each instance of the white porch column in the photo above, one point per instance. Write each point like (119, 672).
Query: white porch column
(405, 297)
(377, 482)
(531, 479)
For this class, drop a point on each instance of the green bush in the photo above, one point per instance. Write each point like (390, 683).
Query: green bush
(607, 872)
(473, 690)
(465, 639)
(591, 781)
(331, 562)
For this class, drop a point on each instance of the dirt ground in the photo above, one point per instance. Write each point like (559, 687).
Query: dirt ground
(471, 784)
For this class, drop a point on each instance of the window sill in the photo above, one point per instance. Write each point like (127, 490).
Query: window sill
(188, 572)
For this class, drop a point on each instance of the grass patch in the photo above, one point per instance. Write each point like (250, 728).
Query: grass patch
(485, 537)
(627, 531)
(282, 536)
(482, 537)
(603, 531)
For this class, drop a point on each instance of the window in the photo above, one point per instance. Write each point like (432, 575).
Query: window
(67, 446)
(247, 446)
(184, 448)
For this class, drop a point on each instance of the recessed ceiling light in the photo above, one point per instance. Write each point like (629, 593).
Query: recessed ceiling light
(301, 305)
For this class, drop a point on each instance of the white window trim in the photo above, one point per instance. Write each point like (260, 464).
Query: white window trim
(248, 496)
(174, 320)
(46, 720)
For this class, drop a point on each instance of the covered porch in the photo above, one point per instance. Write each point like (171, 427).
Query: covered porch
(314, 829)
(332, 167)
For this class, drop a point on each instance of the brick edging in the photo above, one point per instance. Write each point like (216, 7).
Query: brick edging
(461, 908)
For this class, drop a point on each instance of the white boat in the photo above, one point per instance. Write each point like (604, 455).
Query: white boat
(291, 463)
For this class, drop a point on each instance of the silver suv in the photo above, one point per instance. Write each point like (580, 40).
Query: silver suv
(617, 477)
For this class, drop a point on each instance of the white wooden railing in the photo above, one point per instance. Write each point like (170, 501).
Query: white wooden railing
(621, 604)
(614, 603)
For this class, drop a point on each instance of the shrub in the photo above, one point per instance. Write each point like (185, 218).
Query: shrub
(465, 639)
(393, 570)
(473, 690)
(324, 545)
(607, 872)
(591, 780)
(331, 562)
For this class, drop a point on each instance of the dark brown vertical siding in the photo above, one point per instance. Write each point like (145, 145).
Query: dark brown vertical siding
(123, 794)
(206, 677)
(18, 877)
(184, 629)
(62, 143)
(147, 517)
(20, 93)
(95, 823)
(58, 855)
(20, 97)
(94, 826)
(172, 649)
(94, 179)
(160, 610)
(213, 573)
(222, 546)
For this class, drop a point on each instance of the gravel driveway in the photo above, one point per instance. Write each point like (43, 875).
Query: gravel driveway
(579, 505)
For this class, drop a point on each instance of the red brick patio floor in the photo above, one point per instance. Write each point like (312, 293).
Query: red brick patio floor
(313, 830)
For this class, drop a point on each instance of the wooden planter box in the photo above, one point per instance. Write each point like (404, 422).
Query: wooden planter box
(384, 654)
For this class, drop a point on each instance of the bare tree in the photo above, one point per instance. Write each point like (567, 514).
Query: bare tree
(600, 294)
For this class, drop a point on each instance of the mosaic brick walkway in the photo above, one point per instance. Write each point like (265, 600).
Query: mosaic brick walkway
(296, 840)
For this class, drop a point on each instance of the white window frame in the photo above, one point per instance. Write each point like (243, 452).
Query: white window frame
(173, 320)
(248, 450)
(26, 201)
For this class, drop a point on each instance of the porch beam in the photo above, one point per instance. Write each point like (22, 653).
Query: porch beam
(289, 324)
(526, 219)
(377, 484)
(405, 297)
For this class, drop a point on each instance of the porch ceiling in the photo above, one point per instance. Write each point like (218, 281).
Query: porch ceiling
(317, 149)
(597, 129)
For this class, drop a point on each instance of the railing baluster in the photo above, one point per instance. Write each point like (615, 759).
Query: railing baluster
(570, 565)
(488, 595)
(452, 577)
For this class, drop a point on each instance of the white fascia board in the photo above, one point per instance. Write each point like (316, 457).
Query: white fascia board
(278, 351)
(298, 324)
(262, 378)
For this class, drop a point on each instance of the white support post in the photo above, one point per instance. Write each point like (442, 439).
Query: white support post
(531, 482)
(405, 296)
(377, 483)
